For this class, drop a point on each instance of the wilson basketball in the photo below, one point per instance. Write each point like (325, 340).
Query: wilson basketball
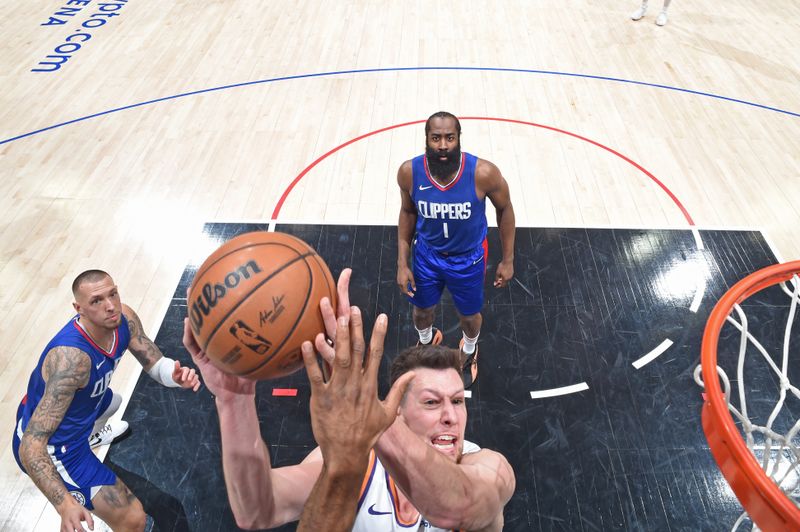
(255, 300)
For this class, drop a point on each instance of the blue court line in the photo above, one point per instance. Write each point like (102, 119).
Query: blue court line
(398, 69)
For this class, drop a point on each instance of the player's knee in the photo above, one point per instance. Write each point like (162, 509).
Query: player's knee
(120, 508)
(133, 518)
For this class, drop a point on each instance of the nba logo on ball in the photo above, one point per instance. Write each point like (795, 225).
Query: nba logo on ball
(255, 300)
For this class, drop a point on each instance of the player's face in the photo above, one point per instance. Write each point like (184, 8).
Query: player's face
(99, 303)
(443, 147)
(434, 409)
(442, 137)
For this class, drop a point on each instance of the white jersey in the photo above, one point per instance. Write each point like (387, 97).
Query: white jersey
(378, 504)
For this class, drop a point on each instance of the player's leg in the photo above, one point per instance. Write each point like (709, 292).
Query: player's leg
(105, 431)
(119, 508)
(661, 19)
(423, 323)
(639, 13)
(465, 282)
(430, 284)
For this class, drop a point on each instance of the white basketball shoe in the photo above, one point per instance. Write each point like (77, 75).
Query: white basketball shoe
(639, 13)
(110, 432)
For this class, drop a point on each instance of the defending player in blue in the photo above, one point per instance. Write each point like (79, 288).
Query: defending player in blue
(69, 391)
(443, 211)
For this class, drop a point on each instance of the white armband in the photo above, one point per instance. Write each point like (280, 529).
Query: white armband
(161, 372)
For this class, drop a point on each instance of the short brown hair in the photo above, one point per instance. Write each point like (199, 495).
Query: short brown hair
(89, 276)
(425, 356)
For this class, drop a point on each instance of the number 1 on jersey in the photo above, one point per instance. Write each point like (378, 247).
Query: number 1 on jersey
(446, 234)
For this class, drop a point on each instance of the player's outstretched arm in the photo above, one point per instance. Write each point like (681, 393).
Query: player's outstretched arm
(346, 416)
(469, 495)
(65, 370)
(163, 370)
(260, 496)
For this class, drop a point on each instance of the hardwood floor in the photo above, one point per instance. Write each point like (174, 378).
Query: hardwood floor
(117, 158)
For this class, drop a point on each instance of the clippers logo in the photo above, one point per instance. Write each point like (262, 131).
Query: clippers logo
(249, 337)
(78, 496)
(212, 294)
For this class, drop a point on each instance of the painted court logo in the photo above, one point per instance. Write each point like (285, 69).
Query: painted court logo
(104, 12)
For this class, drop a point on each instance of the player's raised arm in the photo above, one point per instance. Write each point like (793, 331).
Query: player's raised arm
(260, 496)
(469, 495)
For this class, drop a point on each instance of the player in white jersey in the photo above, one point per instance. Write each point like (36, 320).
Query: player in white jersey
(434, 481)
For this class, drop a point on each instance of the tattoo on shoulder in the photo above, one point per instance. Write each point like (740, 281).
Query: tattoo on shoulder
(65, 370)
(66, 366)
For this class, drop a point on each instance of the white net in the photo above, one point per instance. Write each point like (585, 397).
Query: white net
(768, 423)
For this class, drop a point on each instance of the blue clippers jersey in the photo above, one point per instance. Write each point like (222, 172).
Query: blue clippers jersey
(450, 219)
(82, 412)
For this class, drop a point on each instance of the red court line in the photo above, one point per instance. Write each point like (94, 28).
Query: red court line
(284, 392)
(630, 161)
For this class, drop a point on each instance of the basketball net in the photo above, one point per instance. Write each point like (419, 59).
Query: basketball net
(774, 457)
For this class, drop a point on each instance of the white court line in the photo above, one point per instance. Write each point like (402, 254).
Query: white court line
(564, 390)
(652, 355)
(136, 372)
(697, 239)
(771, 246)
(698, 296)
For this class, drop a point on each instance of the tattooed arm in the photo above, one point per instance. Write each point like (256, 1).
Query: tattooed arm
(153, 361)
(65, 370)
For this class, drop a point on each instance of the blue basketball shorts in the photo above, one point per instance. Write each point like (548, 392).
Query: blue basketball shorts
(463, 276)
(80, 470)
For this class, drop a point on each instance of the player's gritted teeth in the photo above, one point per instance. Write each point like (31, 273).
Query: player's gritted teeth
(445, 443)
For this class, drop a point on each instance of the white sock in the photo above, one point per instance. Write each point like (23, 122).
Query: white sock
(425, 335)
(111, 409)
(469, 343)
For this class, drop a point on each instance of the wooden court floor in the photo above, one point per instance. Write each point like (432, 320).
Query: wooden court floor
(164, 117)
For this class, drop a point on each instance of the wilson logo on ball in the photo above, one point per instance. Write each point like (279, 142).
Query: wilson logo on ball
(212, 294)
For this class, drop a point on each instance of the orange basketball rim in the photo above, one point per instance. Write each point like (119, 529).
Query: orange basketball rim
(767, 505)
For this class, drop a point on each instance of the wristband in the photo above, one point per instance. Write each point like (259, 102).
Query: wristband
(161, 372)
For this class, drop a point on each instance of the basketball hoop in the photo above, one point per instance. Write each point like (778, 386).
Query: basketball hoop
(761, 484)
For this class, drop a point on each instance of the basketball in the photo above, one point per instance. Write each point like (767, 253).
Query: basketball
(255, 300)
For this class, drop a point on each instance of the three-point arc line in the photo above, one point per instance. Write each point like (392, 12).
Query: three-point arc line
(563, 390)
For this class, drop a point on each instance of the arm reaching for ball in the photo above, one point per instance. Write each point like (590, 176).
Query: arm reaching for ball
(265, 497)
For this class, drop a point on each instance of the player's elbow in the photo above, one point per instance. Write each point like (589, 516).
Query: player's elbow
(254, 522)
(259, 516)
(28, 447)
(467, 514)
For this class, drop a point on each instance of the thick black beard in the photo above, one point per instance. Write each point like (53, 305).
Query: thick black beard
(443, 169)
